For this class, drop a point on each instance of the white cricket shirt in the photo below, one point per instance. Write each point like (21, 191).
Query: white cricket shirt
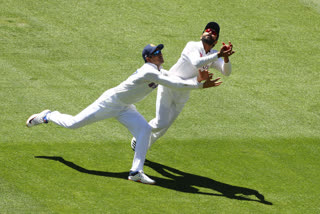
(145, 80)
(194, 57)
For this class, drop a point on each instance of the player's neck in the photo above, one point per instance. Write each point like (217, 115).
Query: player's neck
(158, 66)
(207, 47)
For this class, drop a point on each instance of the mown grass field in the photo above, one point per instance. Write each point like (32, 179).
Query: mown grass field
(257, 132)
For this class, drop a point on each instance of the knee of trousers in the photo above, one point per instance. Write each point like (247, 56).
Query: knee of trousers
(145, 130)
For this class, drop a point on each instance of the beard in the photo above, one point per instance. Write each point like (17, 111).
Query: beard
(208, 40)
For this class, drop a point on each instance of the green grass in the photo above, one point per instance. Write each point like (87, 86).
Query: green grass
(259, 131)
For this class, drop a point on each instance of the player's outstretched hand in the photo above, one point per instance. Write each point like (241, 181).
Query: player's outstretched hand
(203, 75)
(226, 50)
(212, 83)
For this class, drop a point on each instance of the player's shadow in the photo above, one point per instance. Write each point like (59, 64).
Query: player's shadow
(178, 181)
(186, 182)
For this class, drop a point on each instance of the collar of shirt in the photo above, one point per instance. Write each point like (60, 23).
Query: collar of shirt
(201, 49)
(153, 65)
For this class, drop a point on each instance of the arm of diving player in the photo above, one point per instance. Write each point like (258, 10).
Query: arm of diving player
(172, 81)
(198, 61)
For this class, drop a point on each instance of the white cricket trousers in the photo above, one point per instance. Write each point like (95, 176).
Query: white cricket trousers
(170, 103)
(108, 106)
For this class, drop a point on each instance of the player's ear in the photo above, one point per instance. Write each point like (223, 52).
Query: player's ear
(148, 59)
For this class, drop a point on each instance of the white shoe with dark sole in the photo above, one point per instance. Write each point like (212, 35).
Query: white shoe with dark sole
(140, 177)
(37, 119)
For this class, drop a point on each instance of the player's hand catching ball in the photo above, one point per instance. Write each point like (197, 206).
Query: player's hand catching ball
(226, 50)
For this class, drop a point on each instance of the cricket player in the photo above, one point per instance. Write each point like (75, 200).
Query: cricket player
(118, 103)
(196, 55)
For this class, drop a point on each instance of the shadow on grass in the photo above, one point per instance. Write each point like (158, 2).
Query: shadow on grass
(185, 182)
(178, 181)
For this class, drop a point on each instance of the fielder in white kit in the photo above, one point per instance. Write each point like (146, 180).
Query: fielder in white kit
(196, 55)
(118, 103)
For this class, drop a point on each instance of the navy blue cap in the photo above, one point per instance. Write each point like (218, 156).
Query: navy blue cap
(149, 49)
(214, 26)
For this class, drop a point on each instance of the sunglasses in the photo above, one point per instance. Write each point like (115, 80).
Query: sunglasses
(210, 30)
(156, 53)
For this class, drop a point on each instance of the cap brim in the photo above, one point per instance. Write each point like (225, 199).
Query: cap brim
(158, 47)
